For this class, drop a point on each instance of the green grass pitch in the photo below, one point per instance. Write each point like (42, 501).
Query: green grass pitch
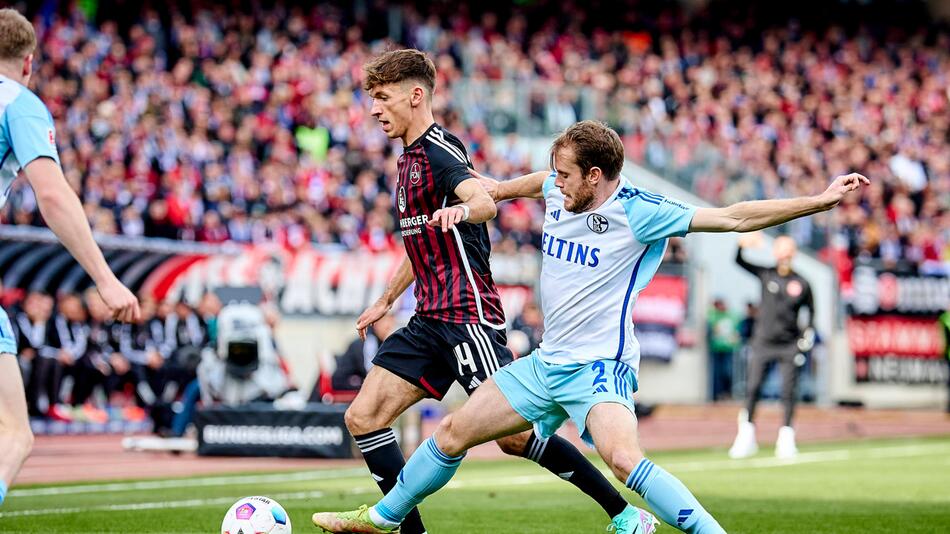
(840, 488)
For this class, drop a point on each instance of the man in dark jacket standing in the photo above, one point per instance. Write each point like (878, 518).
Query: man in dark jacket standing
(776, 339)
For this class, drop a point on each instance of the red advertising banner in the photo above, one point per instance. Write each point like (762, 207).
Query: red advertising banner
(663, 302)
(659, 311)
(897, 349)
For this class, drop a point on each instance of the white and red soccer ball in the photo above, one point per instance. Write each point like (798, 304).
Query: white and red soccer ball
(256, 515)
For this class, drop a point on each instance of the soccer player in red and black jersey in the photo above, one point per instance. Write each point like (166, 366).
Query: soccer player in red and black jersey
(458, 331)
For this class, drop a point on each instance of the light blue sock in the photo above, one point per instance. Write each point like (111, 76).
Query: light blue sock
(3, 491)
(426, 471)
(670, 500)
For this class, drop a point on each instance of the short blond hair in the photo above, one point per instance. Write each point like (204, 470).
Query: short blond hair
(17, 38)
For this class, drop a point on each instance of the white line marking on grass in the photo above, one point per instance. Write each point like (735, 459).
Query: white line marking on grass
(193, 482)
(187, 503)
(276, 478)
(814, 457)
(803, 458)
(508, 481)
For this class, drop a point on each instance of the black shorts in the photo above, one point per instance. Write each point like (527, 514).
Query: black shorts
(432, 354)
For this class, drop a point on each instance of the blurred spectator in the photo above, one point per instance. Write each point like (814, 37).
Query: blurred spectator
(353, 365)
(944, 321)
(723, 336)
(110, 370)
(531, 324)
(747, 324)
(72, 332)
(47, 365)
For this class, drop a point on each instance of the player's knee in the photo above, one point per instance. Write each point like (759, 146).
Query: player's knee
(19, 440)
(26, 441)
(513, 445)
(448, 437)
(622, 461)
(360, 421)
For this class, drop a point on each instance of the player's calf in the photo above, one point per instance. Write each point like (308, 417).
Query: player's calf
(614, 430)
(16, 438)
(514, 445)
(17, 443)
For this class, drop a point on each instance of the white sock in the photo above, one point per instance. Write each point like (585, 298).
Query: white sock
(379, 520)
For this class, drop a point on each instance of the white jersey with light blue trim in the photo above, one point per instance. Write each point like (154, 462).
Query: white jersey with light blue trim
(26, 132)
(594, 264)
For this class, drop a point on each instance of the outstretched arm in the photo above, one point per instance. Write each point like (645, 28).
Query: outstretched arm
(63, 213)
(527, 186)
(759, 214)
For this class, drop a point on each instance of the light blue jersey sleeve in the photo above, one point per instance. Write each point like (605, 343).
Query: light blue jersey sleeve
(548, 184)
(30, 129)
(654, 217)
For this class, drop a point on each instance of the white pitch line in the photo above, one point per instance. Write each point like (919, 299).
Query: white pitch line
(813, 457)
(187, 503)
(752, 463)
(804, 458)
(193, 482)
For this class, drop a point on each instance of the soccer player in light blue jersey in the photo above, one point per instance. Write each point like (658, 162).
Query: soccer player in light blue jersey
(27, 142)
(602, 243)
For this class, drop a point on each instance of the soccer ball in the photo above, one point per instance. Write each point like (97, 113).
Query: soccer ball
(256, 515)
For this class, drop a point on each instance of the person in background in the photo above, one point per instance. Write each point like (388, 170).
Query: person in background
(105, 340)
(188, 334)
(71, 332)
(723, 337)
(747, 324)
(776, 338)
(531, 323)
(208, 309)
(48, 365)
(944, 321)
(353, 365)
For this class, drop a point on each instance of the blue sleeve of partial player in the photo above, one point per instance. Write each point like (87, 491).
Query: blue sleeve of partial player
(548, 184)
(654, 217)
(31, 130)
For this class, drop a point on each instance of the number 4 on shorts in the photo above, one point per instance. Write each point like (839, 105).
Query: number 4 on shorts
(464, 355)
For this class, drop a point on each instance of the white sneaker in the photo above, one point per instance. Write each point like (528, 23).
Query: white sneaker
(785, 444)
(745, 445)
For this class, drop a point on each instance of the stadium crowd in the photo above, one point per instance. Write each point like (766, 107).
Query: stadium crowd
(212, 125)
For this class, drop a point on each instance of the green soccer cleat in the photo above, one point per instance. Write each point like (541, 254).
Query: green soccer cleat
(356, 521)
(634, 521)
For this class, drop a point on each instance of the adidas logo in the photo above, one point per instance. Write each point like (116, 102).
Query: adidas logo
(376, 477)
(556, 214)
(601, 389)
(683, 516)
(567, 475)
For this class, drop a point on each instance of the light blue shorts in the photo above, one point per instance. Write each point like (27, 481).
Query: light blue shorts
(548, 394)
(7, 337)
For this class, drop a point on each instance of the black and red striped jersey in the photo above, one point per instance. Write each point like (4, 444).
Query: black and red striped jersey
(453, 277)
